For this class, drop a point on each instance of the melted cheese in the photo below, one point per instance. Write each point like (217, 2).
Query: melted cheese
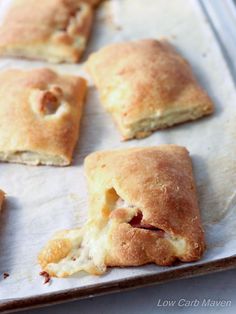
(179, 244)
(88, 251)
(88, 246)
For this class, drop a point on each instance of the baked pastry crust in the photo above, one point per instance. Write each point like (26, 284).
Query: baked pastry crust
(143, 209)
(31, 29)
(2, 197)
(146, 85)
(40, 115)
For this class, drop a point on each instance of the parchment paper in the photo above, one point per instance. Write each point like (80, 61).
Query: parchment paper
(42, 200)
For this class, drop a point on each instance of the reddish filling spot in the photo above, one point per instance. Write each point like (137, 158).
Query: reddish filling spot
(46, 276)
(50, 103)
(136, 222)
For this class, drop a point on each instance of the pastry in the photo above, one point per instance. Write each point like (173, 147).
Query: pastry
(55, 30)
(146, 85)
(2, 196)
(142, 209)
(40, 115)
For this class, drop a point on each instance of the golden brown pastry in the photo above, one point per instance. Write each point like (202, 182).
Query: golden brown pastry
(146, 85)
(55, 30)
(40, 115)
(2, 196)
(143, 209)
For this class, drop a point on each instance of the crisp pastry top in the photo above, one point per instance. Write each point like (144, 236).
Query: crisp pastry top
(2, 196)
(54, 30)
(147, 82)
(40, 114)
(142, 209)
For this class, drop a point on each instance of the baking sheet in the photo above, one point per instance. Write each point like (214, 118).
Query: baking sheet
(42, 200)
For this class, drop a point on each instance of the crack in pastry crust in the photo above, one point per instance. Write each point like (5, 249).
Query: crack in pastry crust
(146, 86)
(45, 35)
(150, 215)
(40, 115)
(137, 222)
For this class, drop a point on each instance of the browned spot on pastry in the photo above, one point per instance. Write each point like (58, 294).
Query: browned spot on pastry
(56, 250)
(46, 276)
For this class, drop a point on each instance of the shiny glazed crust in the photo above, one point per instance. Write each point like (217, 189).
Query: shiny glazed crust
(31, 29)
(146, 85)
(40, 115)
(159, 182)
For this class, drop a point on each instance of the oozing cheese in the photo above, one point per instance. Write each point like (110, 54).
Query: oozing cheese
(88, 251)
(87, 248)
